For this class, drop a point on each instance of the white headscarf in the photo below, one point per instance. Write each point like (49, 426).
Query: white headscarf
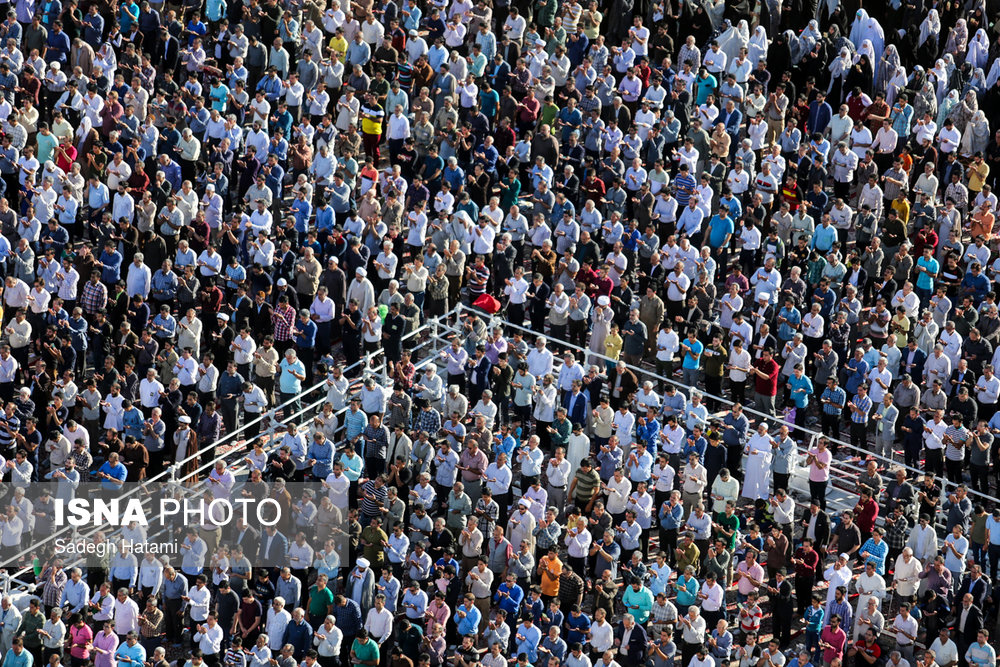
(733, 39)
(946, 107)
(757, 46)
(865, 27)
(979, 49)
(940, 77)
(958, 38)
(949, 63)
(840, 65)
(931, 26)
(812, 31)
(866, 49)
(896, 84)
(994, 75)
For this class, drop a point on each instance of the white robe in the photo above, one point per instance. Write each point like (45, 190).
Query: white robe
(865, 27)
(757, 483)
(577, 449)
(841, 577)
(873, 586)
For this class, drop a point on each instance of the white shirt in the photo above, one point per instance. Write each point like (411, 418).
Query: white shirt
(210, 641)
(379, 624)
(127, 616)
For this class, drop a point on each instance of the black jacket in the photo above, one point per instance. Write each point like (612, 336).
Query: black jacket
(636, 649)
(822, 529)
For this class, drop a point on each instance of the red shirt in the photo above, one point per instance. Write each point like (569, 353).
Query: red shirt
(601, 287)
(809, 562)
(874, 650)
(865, 515)
(768, 386)
(836, 639)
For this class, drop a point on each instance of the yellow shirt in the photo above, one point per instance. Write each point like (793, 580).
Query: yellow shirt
(902, 208)
(613, 346)
(339, 44)
(977, 176)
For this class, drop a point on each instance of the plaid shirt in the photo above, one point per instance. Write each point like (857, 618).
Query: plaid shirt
(283, 320)
(864, 404)
(547, 536)
(429, 421)
(94, 297)
(663, 614)
(896, 533)
(53, 588)
(83, 460)
(348, 617)
(842, 609)
(152, 625)
(876, 554)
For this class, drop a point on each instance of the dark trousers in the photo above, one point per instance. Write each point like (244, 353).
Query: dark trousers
(817, 492)
(859, 434)
(780, 481)
(830, 425)
(173, 617)
(803, 593)
(934, 462)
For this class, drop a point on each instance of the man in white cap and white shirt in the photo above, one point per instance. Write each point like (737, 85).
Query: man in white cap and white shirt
(361, 290)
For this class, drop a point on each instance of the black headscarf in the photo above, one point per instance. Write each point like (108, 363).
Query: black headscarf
(779, 55)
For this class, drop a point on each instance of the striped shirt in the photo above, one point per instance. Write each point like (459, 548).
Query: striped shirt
(372, 498)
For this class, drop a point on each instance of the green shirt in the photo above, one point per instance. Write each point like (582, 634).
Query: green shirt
(29, 624)
(320, 601)
(729, 523)
(548, 115)
(367, 652)
(563, 429)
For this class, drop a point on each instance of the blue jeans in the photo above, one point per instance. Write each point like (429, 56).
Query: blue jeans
(690, 378)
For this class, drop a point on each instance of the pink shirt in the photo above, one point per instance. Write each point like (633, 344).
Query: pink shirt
(836, 640)
(439, 614)
(79, 637)
(756, 572)
(817, 474)
(107, 643)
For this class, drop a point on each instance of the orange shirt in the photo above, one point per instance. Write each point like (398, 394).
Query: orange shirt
(550, 569)
(982, 223)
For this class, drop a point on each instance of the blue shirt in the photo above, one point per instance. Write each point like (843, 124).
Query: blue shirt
(993, 526)
(692, 357)
(290, 384)
(577, 628)
(792, 319)
(511, 602)
(14, 660)
(856, 374)
(301, 209)
(118, 472)
(111, 272)
(528, 645)
(137, 653)
(469, 625)
(876, 554)
(864, 405)
(307, 336)
(801, 398)
(823, 238)
(835, 396)
(925, 279)
(720, 230)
